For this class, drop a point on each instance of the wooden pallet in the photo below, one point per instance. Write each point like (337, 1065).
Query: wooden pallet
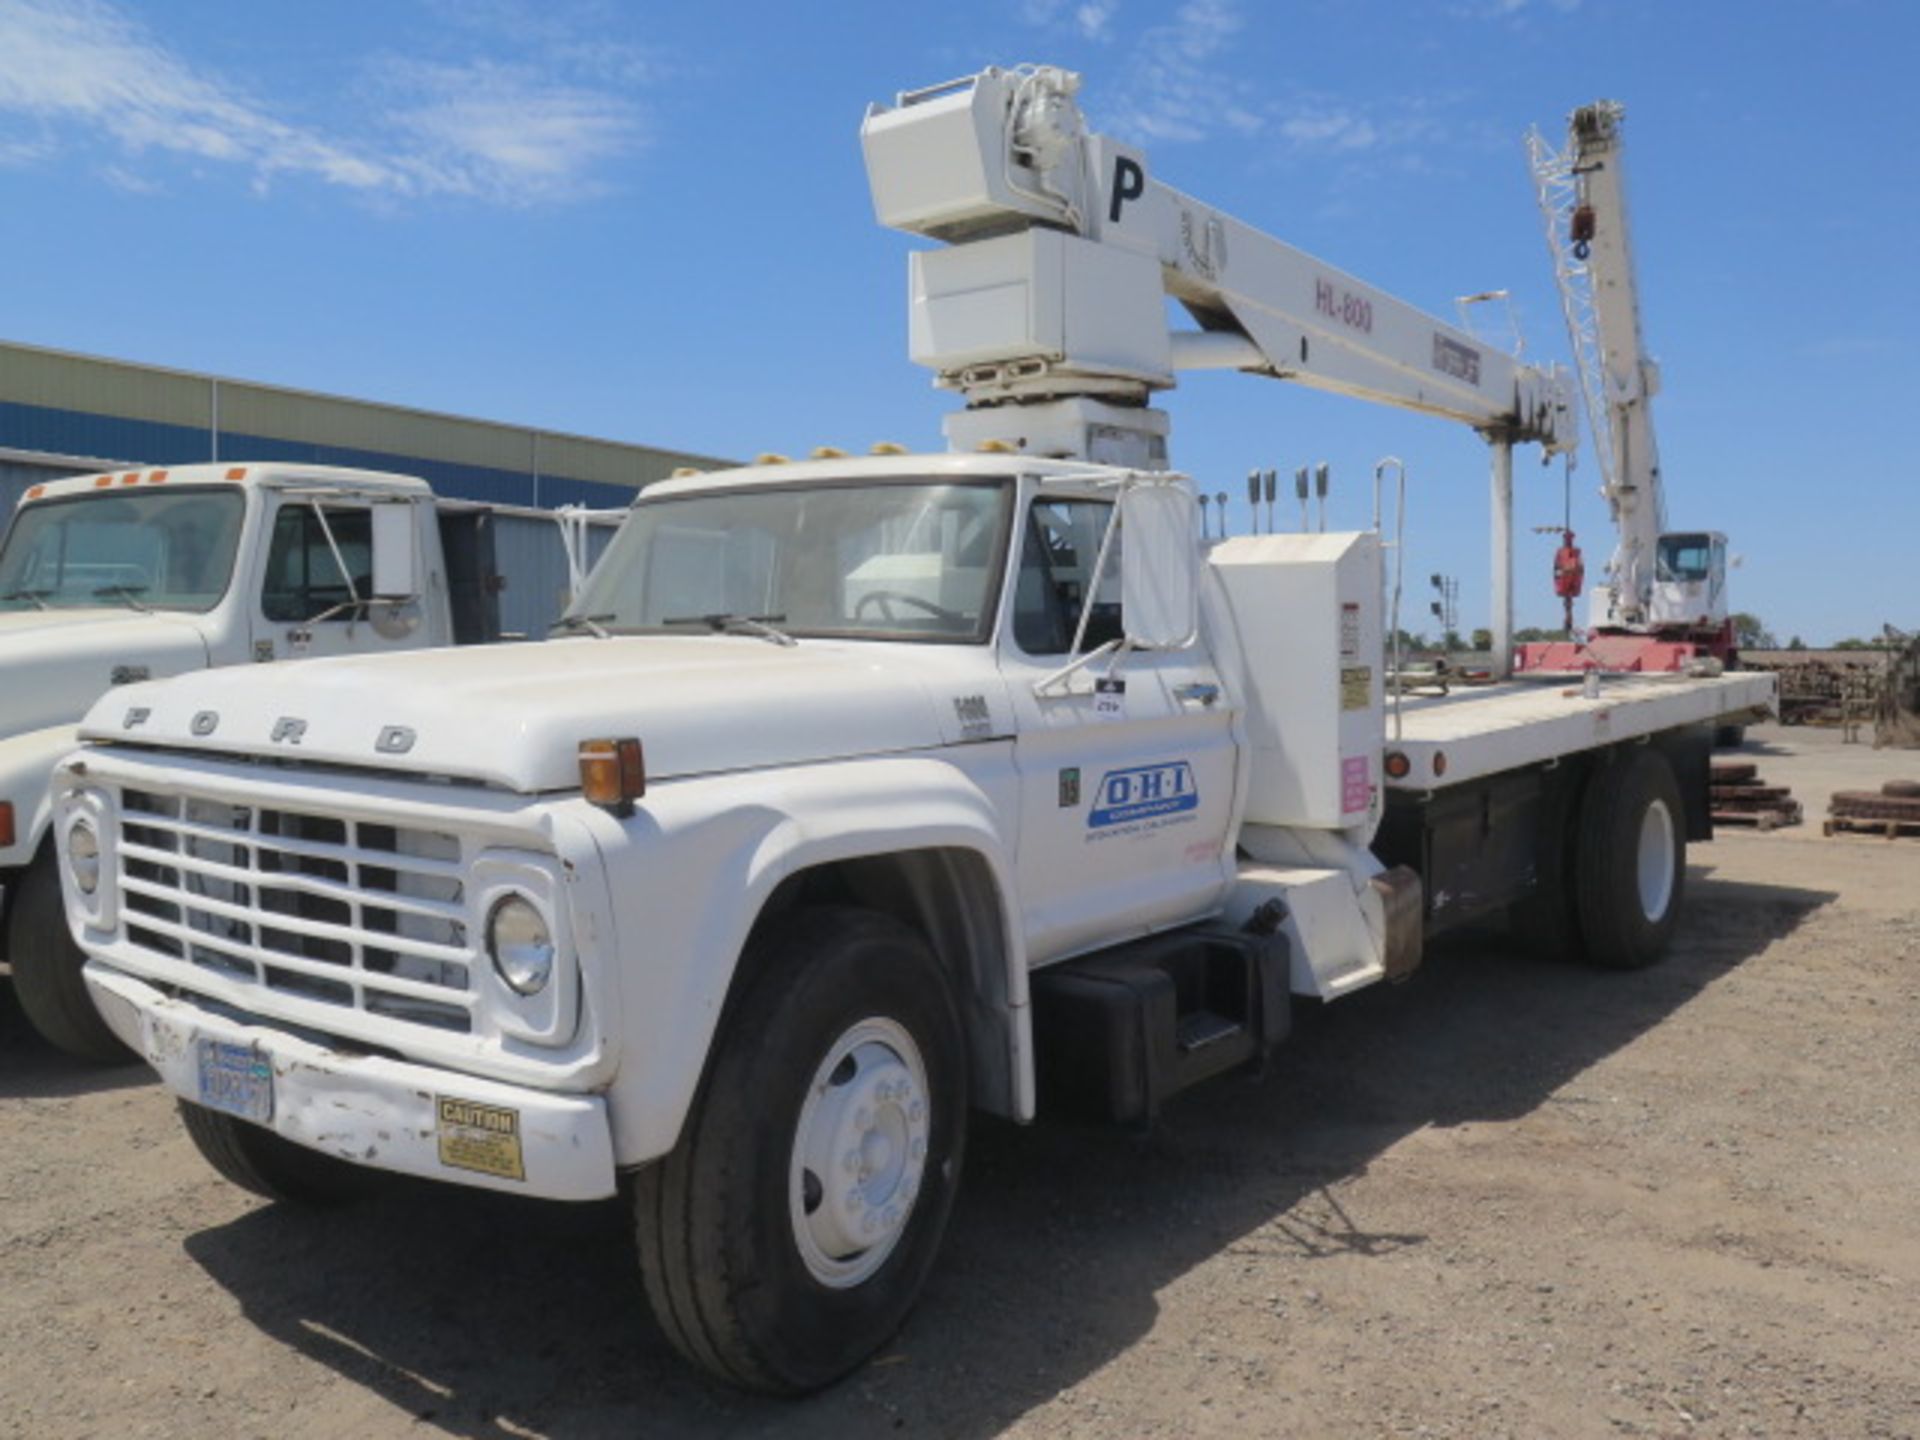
(1762, 818)
(1889, 829)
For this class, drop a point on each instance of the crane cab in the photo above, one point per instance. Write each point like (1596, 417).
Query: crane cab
(1689, 581)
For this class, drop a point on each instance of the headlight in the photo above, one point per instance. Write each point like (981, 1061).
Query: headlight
(521, 945)
(83, 856)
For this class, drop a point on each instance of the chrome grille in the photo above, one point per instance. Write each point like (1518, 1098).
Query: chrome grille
(341, 912)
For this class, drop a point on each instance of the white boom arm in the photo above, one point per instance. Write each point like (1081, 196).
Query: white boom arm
(1048, 308)
(1583, 196)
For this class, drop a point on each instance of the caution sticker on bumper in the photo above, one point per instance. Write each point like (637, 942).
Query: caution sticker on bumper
(483, 1138)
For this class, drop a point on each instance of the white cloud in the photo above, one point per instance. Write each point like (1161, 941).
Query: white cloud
(537, 129)
(1092, 19)
(502, 132)
(1509, 9)
(1173, 89)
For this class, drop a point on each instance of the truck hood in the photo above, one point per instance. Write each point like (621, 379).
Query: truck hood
(56, 663)
(514, 715)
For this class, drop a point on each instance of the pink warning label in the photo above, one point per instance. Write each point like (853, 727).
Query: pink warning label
(1355, 792)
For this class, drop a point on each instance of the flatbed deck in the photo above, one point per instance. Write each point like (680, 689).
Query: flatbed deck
(1483, 730)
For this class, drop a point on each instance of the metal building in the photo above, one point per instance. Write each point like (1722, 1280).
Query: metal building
(63, 414)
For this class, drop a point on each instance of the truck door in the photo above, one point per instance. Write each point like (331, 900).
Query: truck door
(1126, 783)
(305, 604)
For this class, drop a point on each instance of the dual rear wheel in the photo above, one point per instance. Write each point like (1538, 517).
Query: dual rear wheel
(1613, 867)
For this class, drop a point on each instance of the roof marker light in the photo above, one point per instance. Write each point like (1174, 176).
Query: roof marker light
(887, 447)
(771, 457)
(239, 472)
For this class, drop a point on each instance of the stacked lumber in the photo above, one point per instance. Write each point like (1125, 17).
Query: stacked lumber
(1893, 810)
(1740, 797)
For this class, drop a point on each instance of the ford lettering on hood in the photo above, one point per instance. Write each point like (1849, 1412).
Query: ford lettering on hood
(698, 704)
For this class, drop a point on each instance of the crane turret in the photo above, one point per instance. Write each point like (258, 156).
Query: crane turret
(1047, 307)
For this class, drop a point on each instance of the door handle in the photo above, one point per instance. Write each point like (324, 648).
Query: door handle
(1199, 690)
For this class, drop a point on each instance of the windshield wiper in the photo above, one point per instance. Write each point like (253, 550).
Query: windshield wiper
(129, 593)
(39, 597)
(724, 624)
(589, 623)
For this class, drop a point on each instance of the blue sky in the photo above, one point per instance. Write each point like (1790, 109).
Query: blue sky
(650, 222)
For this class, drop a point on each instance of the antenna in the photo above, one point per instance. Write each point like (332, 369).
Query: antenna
(1300, 489)
(1253, 497)
(1320, 489)
(1272, 485)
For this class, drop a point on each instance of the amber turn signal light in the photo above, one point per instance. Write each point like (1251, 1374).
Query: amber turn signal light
(6, 823)
(1397, 765)
(613, 773)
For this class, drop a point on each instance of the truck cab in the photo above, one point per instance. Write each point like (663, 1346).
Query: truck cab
(112, 579)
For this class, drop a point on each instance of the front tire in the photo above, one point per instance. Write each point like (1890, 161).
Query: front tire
(269, 1165)
(46, 970)
(787, 1235)
(1632, 861)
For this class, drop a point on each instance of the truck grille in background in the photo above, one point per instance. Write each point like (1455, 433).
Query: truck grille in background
(341, 912)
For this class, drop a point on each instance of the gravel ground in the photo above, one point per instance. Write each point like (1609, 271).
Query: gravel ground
(1504, 1198)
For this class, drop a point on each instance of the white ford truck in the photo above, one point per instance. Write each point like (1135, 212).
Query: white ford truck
(871, 793)
(110, 579)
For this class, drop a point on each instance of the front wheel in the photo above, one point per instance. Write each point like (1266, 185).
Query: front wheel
(785, 1238)
(46, 970)
(1631, 852)
(270, 1166)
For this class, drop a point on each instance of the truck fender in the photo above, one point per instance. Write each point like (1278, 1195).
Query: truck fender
(679, 946)
(26, 779)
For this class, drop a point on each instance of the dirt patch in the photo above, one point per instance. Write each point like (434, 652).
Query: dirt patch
(1504, 1198)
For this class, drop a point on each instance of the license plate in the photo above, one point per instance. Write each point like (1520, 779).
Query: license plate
(235, 1079)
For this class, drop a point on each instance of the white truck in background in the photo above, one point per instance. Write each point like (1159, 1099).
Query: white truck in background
(110, 579)
(871, 792)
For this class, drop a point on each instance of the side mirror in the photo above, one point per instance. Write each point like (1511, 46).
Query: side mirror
(1159, 578)
(395, 571)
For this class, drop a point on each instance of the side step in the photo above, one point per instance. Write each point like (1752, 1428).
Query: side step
(1119, 1032)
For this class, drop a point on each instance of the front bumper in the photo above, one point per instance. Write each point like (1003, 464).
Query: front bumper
(369, 1110)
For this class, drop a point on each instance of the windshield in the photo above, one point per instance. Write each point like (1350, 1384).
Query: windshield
(152, 549)
(894, 560)
(1684, 557)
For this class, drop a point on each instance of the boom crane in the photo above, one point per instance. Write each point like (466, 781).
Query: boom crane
(1047, 308)
(1664, 603)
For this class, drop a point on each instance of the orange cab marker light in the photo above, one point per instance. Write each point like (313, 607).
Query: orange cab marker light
(132, 479)
(100, 482)
(239, 472)
(158, 477)
(36, 492)
(613, 773)
(6, 823)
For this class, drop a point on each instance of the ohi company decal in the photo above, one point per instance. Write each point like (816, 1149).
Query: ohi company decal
(1129, 799)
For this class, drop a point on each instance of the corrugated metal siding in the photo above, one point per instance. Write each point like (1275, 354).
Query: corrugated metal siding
(529, 554)
(82, 405)
(57, 381)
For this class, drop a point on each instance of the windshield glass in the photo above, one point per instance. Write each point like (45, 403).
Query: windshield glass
(1684, 557)
(157, 549)
(896, 560)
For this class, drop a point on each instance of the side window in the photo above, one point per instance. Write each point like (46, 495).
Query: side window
(1060, 545)
(303, 577)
